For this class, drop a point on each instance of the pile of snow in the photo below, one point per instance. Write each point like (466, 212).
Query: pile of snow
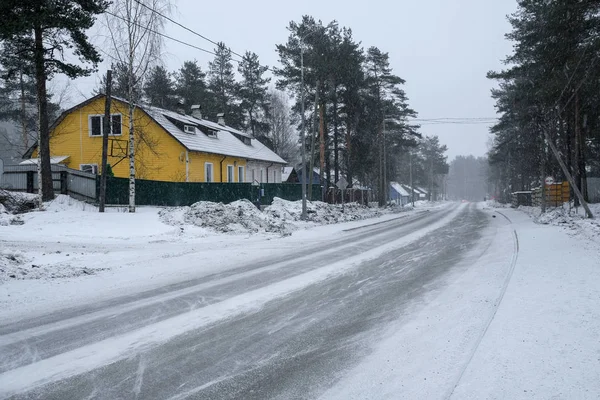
(238, 217)
(571, 219)
(281, 217)
(495, 204)
(16, 265)
(12, 203)
(6, 218)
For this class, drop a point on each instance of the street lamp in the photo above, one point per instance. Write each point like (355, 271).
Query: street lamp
(304, 172)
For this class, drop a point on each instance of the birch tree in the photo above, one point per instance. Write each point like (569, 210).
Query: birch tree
(134, 28)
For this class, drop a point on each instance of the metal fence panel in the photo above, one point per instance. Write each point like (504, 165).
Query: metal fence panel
(593, 190)
(83, 184)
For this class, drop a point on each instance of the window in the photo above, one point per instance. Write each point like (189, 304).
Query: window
(230, 177)
(262, 176)
(96, 125)
(189, 129)
(274, 176)
(90, 168)
(253, 177)
(211, 133)
(240, 174)
(208, 172)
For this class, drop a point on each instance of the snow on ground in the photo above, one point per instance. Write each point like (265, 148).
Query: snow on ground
(71, 252)
(503, 327)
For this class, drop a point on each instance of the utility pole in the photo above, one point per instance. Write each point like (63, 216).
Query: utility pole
(412, 190)
(324, 183)
(543, 173)
(568, 174)
(304, 172)
(106, 129)
(312, 138)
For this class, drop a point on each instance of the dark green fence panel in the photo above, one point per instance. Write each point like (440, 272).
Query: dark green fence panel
(286, 191)
(157, 193)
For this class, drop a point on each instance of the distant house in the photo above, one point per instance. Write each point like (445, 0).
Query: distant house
(398, 194)
(420, 193)
(316, 177)
(289, 175)
(170, 146)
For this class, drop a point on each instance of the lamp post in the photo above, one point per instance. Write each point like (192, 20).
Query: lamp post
(305, 172)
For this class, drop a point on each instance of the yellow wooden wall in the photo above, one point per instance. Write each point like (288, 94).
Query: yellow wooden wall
(158, 157)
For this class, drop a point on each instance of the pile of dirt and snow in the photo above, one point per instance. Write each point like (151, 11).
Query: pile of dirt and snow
(15, 264)
(573, 220)
(238, 217)
(13, 203)
(319, 212)
(282, 216)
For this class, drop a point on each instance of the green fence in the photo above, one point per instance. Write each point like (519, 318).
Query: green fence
(157, 193)
(286, 191)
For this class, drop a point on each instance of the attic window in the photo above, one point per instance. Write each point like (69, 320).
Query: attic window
(211, 133)
(189, 129)
(244, 139)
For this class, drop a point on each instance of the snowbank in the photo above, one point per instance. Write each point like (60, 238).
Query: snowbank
(15, 264)
(281, 217)
(573, 220)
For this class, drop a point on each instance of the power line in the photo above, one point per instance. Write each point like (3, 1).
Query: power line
(162, 34)
(184, 27)
(195, 33)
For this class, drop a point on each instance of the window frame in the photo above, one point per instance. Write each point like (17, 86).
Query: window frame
(212, 172)
(230, 168)
(101, 116)
(241, 174)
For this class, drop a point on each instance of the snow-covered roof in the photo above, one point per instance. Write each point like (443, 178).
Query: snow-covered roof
(286, 172)
(53, 160)
(398, 188)
(225, 142)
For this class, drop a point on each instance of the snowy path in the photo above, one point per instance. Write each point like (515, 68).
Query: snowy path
(261, 330)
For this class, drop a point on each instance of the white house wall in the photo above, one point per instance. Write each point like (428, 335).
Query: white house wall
(257, 172)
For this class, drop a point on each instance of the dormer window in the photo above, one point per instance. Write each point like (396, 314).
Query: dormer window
(212, 134)
(189, 129)
(244, 139)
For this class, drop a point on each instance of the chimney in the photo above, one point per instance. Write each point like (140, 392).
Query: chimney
(196, 111)
(221, 117)
(181, 106)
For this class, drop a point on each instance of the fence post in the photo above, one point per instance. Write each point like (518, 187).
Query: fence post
(64, 182)
(29, 181)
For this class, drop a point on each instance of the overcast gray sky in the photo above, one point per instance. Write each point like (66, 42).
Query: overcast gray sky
(442, 48)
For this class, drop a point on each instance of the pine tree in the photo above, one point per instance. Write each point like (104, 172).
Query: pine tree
(190, 85)
(159, 89)
(253, 93)
(224, 88)
(32, 31)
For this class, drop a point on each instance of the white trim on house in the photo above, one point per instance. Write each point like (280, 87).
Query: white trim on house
(230, 174)
(208, 167)
(241, 172)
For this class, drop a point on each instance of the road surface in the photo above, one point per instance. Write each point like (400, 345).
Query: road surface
(284, 328)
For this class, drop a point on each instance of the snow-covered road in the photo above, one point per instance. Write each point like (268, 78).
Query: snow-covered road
(283, 327)
(429, 304)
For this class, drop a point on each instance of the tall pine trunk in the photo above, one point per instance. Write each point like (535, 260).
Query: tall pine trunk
(44, 170)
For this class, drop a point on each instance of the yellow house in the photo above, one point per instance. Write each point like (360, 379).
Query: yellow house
(168, 146)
